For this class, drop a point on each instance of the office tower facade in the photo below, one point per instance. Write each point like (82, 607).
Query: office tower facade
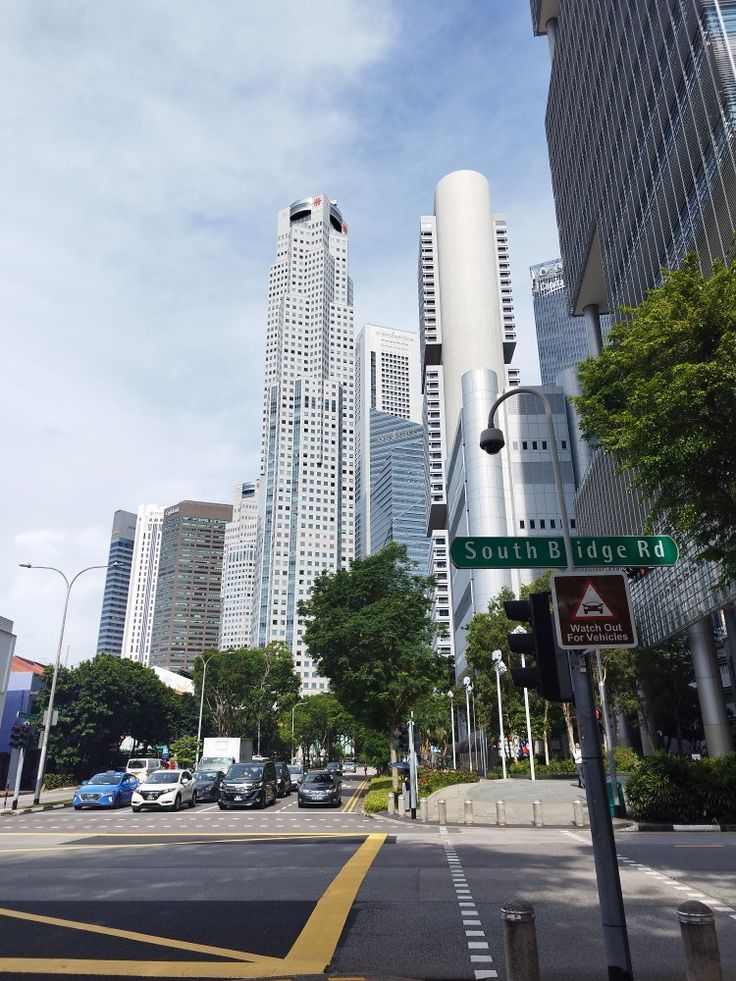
(117, 582)
(398, 487)
(386, 381)
(640, 130)
(307, 449)
(238, 569)
(143, 580)
(467, 337)
(561, 338)
(186, 616)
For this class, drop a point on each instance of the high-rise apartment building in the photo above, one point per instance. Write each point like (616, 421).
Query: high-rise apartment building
(143, 580)
(307, 448)
(467, 340)
(117, 581)
(386, 382)
(186, 616)
(238, 569)
(642, 143)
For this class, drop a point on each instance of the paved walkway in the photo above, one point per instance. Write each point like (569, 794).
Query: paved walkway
(49, 798)
(557, 798)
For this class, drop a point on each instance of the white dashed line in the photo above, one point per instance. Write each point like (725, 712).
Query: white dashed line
(469, 915)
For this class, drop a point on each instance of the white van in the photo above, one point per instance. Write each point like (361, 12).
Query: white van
(143, 766)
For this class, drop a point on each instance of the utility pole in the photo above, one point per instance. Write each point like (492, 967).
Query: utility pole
(412, 771)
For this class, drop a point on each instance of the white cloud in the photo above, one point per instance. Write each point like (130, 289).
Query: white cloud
(150, 145)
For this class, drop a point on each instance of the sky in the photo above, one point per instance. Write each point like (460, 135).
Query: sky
(149, 145)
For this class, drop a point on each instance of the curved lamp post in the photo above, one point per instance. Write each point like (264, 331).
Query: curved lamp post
(205, 662)
(50, 710)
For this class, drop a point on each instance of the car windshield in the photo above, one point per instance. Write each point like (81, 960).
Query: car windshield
(324, 779)
(249, 771)
(164, 776)
(295, 769)
(206, 775)
(137, 764)
(106, 778)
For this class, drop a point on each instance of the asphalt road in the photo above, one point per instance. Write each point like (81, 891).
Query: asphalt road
(284, 892)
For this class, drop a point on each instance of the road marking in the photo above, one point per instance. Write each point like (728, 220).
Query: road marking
(469, 914)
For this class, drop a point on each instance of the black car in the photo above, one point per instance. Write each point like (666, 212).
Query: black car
(335, 769)
(249, 785)
(283, 780)
(321, 788)
(208, 784)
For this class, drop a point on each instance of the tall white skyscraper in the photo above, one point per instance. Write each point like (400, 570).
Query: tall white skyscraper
(238, 569)
(307, 447)
(143, 581)
(386, 380)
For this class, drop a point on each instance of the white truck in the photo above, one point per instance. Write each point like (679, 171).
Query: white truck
(220, 752)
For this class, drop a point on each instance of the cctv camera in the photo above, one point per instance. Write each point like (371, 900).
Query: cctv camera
(492, 441)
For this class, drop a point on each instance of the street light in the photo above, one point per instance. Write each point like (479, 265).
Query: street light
(451, 696)
(468, 688)
(205, 662)
(500, 668)
(52, 693)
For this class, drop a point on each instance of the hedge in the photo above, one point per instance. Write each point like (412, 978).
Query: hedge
(678, 790)
(52, 781)
(375, 799)
(429, 782)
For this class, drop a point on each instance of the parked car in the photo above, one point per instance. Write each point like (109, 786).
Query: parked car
(348, 766)
(165, 789)
(253, 784)
(208, 784)
(320, 787)
(296, 772)
(335, 769)
(283, 780)
(113, 788)
(143, 766)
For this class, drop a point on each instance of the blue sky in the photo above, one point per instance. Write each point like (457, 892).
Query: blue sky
(149, 146)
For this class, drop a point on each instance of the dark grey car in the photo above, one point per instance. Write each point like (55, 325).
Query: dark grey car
(320, 788)
(283, 780)
(249, 785)
(208, 784)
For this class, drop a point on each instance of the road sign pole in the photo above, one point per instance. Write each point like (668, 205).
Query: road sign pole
(18, 778)
(615, 936)
(412, 771)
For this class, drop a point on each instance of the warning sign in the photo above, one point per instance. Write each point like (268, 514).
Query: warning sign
(593, 610)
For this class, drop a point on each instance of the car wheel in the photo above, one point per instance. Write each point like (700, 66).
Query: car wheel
(177, 803)
(193, 801)
(223, 807)
(261, 802)
(135, 810)
(77, 807)
(117, 802)
(301, 804)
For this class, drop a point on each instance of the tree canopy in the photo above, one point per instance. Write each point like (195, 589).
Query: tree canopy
(243, 685)
(100, 702)
(370, 630)
(662, 398)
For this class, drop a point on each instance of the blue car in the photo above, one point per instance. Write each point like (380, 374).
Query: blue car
(111, 789)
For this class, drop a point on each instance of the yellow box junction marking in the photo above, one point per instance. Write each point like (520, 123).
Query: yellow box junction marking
(310, 954)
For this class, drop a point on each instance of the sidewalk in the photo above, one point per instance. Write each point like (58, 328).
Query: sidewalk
(557, 798)
(49, 798)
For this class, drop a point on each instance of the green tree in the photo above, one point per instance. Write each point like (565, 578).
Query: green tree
(665, 671)
(184, 751)
(370, 630)
(661, 397)
(242, 686)
(319, 723)
(100, 703)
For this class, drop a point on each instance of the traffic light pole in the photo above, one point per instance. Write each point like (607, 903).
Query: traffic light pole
(412, 771)
(18, 777)
(613, 917)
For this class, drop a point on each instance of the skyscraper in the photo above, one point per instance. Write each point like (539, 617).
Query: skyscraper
(641, 133)
(307, 448)
(467, 340)
(186, 616)
(117, 580)
(143, 581)
(561, 338)
(387, 382)
(238, 569)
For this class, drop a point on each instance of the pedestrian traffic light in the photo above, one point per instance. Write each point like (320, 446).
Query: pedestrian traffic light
(550, 676)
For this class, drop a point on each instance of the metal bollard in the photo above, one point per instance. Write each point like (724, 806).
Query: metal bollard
(391, 803)
(698, 930)
(538, 821)
(578, 813)
(423, 809)
(520, 941)
(501, 813)
(442, 811)
(468, 805)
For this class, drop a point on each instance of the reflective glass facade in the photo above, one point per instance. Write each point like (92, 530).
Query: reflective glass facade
(117, 581)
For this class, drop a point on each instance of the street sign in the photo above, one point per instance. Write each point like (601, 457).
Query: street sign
(593, 610)
(23, 715)
(534, 552)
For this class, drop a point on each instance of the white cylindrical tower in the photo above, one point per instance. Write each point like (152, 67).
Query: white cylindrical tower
(472, 335)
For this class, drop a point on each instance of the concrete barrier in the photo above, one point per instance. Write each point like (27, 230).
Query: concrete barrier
(538, 819)
(698, 930)
(501, 813)
(520, 941)
(468, 810)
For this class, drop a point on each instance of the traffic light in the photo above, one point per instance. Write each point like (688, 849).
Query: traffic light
(635, 574)
(402, 738)
(19, 733)
(551, 673)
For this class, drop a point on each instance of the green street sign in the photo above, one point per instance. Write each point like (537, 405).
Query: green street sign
(23, 715)
(545, 553)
